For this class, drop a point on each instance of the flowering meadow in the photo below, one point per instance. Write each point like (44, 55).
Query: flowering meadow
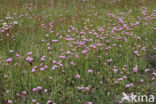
(76, 51)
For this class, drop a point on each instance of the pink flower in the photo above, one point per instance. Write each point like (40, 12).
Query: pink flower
(7, 91)
(109, 60)
(9, 60)
(90, 71)
(9, 101)
(78, 76)
(33, 70)
(115, 70)
(24, 92)
(34, 89)
(11, 51)
(42, 69)
(5, 76)
(135, 69)
(54, 41)
(141, 80)
(49, 101)
(33, 100)
(154, 73)
(39, 88)
(146, 70)
(90, 103)
(45, 90)
(17, 55)
(29, 59)
(29, 53)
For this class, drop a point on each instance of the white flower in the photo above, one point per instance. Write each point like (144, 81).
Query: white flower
(15, 22)
(4, 24)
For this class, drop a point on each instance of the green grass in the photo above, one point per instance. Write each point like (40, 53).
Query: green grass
(33, 24)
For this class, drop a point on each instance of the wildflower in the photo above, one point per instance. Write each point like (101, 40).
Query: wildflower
(9, 101)
(34, 89)
(5, 76)
(29, 53)
(33, 100)
(45, 90)
(39, 88)
(78, 76)
(49, 101)
(90, 103)
(11, 51)
(24, 92)
(154, 73)
(109, 60)
(7, 91)
(17, 55)
(90, 71)
(63, 57)
(115, 70)
(29, 59)
(15, 22)
(9, 60)
(141, 80)
(135, 69)
(42, 69)
(54, 41)
(146, 70)
(33, 70)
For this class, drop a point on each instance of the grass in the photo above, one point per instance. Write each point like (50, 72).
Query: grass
(85, 51)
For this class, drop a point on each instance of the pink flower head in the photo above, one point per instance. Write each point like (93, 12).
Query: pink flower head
(39, 88)
(34, 89)
(154, 73)
(90, 103)
(54, 41)
(29, 59)
(11, 51)
(45, 90)
(115, 70)
(90, 71)
(49, 101)
(78, 76)
(33, 100)
(42, 69)
(24, 92)
(9, 101)
(9, 60)
(17, 55)
(109, 60)
(135, 69)
(146, 70)
(29, 53)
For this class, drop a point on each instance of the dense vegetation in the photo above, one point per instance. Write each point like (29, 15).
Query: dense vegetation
(76, 51)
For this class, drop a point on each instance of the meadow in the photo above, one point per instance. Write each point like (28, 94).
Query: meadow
(76, 51)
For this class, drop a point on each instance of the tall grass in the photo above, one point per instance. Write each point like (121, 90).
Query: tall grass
(83, 51)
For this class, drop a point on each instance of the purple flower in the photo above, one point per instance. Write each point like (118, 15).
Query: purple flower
(135, 69)
(9, 101)
(49, 101)
(115, 70)
(39, 88)
(29, 53)
(33, 100)
(9, 60)
(146, 70)
(77, 76)
(45, 90)
(90, 71)
(29, 59)
(90, 103)
(54, 41)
